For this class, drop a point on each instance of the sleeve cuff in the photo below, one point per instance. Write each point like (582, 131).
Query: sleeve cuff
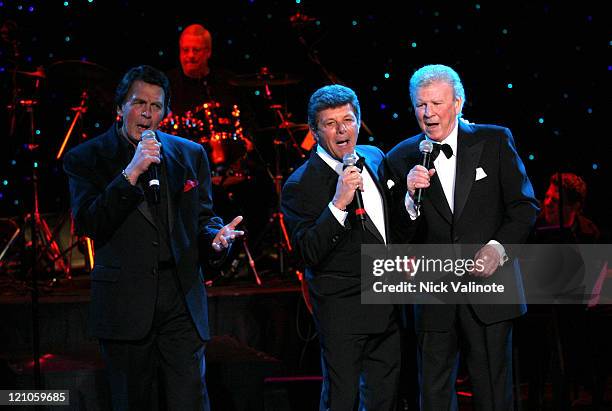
(409, 203)
(338, 214)
(501, 251)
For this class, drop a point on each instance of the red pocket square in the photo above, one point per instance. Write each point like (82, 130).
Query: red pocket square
(189, 184)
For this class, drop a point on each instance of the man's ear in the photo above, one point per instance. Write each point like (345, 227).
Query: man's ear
(314, 135)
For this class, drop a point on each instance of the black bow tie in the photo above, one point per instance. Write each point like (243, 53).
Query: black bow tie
(445, 148)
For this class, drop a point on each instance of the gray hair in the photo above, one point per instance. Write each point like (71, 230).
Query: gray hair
(432, 73)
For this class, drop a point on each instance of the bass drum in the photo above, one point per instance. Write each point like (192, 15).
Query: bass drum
(225, 142)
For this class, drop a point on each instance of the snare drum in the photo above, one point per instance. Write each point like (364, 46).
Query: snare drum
(225, 135)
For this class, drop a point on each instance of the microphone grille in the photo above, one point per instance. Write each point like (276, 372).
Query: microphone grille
(349, 159)
(147, 134)
(426, 146)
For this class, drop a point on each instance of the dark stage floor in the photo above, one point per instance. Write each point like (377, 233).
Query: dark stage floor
(264, 354)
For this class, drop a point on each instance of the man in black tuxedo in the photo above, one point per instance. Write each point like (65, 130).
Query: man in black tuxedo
(148, 301)
(359, 343)
(477, 192)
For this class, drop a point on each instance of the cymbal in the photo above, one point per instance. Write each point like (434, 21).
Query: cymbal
(39, 73)
(78, 69)
(263, 78)
(70, 78)
(285, 125)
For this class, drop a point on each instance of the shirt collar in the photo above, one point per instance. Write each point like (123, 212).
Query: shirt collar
(336, 165)
(451, 139)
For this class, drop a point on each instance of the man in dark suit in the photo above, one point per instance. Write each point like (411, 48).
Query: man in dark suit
(477, 192)
(359, 343)
(148, 301)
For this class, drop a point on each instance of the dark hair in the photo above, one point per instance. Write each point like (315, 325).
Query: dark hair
(574, 187)
(331, 97)
(147, 74)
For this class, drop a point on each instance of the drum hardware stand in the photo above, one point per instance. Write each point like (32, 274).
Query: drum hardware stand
(234, 266)
(43, 246)
(282, 243)
(80, 110)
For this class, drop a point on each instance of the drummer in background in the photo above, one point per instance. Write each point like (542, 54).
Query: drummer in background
(195, 82)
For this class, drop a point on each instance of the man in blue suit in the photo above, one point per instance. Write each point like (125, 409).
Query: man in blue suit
(359, 343)
(148, 301)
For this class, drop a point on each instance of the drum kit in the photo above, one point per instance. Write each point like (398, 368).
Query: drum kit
(233, 154)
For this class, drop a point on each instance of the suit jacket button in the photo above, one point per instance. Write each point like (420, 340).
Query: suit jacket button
(334, 239)
(456, 239)
(155, 243)
(154, 271)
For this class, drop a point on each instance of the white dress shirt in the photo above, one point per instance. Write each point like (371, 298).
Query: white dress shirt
(372, 200)
(446, 170)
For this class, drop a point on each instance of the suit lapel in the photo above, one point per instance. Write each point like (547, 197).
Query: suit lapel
(468, 156)
(175, 172)
(373, 170)
(328, 176)
(116, 161)
(435, 193)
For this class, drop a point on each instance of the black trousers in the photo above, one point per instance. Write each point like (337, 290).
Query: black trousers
(487, 353)
(172, 351)
(360, 370)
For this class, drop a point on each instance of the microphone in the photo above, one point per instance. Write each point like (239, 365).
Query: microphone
(351, 159)
(425, 147)
(153, 171)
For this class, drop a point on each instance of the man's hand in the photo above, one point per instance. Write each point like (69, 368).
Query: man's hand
(147, 152)
(489, 261)
(227, 235)
(418, 177)
(348, 182)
